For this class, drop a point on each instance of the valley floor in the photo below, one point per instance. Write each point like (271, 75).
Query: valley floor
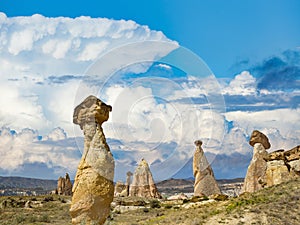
(275, 205)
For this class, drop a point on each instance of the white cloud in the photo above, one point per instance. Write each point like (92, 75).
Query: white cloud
(279, 124)
(24, 147)
(35, 39)
(242, 84)
(36, 47)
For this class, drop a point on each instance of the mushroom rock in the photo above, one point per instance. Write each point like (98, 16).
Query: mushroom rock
(205, 182)
(142, 183)
(258, 137)
(93, 189)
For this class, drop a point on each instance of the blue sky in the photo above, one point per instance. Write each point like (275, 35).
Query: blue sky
(144, 59)
(223, 33)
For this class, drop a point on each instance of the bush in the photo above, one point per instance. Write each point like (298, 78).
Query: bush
(45, 218)
(155, 204)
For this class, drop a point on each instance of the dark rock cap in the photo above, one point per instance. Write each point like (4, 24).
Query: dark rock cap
(259, 137)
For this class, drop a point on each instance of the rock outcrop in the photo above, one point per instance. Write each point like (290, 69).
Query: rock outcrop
(142, 183)
(267, 169)
(120, 190)
(93, 188)
(282, 166)
(205, 182)
(64, 185)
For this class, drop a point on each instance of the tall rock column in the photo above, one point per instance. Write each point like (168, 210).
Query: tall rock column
(93, 189)
(205, 182)
(256, 174)
(142, 183)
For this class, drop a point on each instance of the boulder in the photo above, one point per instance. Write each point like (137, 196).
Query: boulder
(142, 183)
(258, 137)
(205, 182)
(180, 196)
(93, 189)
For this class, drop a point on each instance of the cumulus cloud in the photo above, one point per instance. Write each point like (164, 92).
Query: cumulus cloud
(27, 147)
(29, 42)
(43, 60)
(242, 84)
(284, 121)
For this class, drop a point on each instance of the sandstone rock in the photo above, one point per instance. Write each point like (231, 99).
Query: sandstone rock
(60, 185)
(64, 185)
(205, 182)
(276, 155)
(295, 168)
(258, 137)
(120, 189)
(219, 197)
(293, 154)
(255, 177)
(180, 196)
(276, 172)
(143, 184)
(93, 188)
(68, 185)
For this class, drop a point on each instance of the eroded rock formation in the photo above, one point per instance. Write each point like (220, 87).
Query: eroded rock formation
(282, 166)
(64, 185)
(93, 188)
(255, 177)
(267, 169)
(142, 183)
(205, 182)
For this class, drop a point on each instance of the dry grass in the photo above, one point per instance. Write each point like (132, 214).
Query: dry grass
(44, 210)
(275, 205)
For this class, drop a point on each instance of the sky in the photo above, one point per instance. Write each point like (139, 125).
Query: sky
(174, 72)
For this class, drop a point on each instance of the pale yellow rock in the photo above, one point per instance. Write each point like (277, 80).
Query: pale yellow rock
(205, 182)
(142, 183)
(255, 178)
(93, 189)
(276, 172)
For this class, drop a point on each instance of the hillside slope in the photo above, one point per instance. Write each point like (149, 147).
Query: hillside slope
(279, 204)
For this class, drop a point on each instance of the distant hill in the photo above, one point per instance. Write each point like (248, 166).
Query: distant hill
(172, 186)
(26, 183)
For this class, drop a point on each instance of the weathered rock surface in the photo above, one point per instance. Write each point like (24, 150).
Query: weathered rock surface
(64, 185)
(93, 188)
(205, 182)
(282, 166)
(255, 177)
(143, 184)
(258, 137)
(120, 190)
(267, 169)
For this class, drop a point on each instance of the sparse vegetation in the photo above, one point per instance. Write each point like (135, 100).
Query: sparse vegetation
(275, 205)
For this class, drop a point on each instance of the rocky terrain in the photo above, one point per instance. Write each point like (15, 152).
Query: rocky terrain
(279, 204)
